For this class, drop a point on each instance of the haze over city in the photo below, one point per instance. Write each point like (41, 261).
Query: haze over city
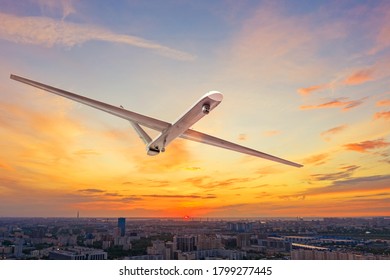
(308, 82)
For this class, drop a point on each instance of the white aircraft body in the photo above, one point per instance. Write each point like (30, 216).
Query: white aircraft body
(168, 131)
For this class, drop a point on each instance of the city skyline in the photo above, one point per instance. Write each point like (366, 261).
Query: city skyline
(169, 239)
(308, 82)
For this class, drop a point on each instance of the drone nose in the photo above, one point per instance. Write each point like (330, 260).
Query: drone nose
(215, 95)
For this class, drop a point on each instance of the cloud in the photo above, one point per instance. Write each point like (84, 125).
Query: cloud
(270, 133)
(332, 131)
(49, 32)
(91, 191)
(86, 152)
(264, 194)
(113, 194)
(350, 167)
(64, 6)
(342, 103)
(382, 115)
(193, 168)
(365, 146)
(344, 174)
(274, 45)
(309, 90)
(206, 182)
(368, 184)
(40, 133)
(149, 182)
(130, 199)
(269, 170)
(382, 19)
(209, 196)
(355, 181)
(176, 156)
(316, 159)
(242, 137)
(376, 71)
(99, 197)
(5, 166)
(385, 102)
(360, 77)
(197, 181)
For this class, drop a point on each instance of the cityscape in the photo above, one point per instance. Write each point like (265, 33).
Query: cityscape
(190, 238)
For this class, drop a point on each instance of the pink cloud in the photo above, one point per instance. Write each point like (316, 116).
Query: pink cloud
(309, 90)
(274, 44)
(385, 102)
(342, 103)
(382, 115)
(382, 22)
(360, 77)
(330, 132)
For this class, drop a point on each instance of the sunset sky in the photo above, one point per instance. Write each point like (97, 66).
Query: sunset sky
(308, 81)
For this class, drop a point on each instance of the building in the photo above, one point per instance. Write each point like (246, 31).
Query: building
(209, 242)
(211, 254)
(78, 253)
(240, 227)
(273, 245)
(157, 248)
(243, 240)
(301, 254)
(299, 239)
(18, 250)
(186, 243)
(122, 226)
(123, 241)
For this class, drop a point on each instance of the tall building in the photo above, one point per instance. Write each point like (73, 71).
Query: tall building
(243, 240)
(208, 242)
(186, 243)
(18, 251)
(122, 226)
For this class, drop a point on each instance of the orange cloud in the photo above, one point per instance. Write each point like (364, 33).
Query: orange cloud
(176, 156)
(47, 132)
(86, 152)
(242, 137)
(316, 159)
(269, 170)
(5, 166)
(382, 115)
(309, 90)
(342, 103)
(330, 132)
(271, 132)
(364, 146)
(360, 77)
(385, 102)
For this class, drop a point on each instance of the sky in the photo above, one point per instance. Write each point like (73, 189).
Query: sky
(307, 81)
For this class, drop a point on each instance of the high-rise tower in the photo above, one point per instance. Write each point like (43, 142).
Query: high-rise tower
(122, 226)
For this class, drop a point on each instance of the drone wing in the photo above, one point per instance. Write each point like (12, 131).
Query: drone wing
(214, 141)
(116, 111)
